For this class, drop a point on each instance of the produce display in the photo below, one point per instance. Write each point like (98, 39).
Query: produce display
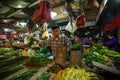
(8, 51)
(97, 53)
(38, 61)
(2, 58)
(74, 74)
(11, 62)
(101, 54)
(89, 57)
(44, 76)
(24, 76)
(104, 51)
(76, 46)
(7, 72)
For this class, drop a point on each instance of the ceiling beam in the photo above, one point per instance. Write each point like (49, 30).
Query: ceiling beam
(101, 9)
(31, 5)
(58, 4)
(35, 3)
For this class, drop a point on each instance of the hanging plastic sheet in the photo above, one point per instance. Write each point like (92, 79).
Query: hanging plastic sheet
(115, 23)
(113, 7)
(42, 13)
(70, 28)
(111, 11)
(108, 18)
(71, 21)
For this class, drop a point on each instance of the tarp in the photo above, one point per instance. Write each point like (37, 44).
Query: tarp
(115, 23)
(42, 13)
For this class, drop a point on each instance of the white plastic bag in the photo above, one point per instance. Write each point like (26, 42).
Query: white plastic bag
(71, 28)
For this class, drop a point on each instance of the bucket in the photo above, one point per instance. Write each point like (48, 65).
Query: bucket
(75, 58)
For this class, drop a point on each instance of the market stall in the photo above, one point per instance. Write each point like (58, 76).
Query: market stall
(59, 40)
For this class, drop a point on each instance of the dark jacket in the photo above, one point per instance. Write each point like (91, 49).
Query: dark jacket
(112, 44)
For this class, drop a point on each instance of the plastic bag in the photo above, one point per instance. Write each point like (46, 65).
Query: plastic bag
(42, 12)
(71, 28)
(115, 23)
(45, 35)
(80, 21)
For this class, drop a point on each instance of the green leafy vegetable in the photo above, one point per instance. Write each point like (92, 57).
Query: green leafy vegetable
(24, 76)
(44, 76)
(76, 46)
(38, 61)
(7, 72)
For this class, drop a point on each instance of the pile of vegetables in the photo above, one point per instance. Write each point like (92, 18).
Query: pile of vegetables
(2, 58)
(11, 62)
(24, 76)
(104, 51)
(74, 74)
(8, 51)
(39, 61)
(76, 46)
(7, 72)
(94, 56)
(101, 54)
(44, 76)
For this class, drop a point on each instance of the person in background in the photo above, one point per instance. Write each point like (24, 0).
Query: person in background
(86, 43)
(112, 43)
(77, 40)
(14, 43)
(7, 43)
(59, 46)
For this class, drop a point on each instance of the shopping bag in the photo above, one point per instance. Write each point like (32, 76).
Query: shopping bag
(45, 35)
(114, 24)
(42, 13)
(71, 28)
(81, 21)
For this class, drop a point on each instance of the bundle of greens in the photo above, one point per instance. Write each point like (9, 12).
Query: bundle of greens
(7, 72)
(38, 61)
(24, 76)
(76, 46)
(44, 76)
(8, 52)
(89, 57)
(104, 51)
